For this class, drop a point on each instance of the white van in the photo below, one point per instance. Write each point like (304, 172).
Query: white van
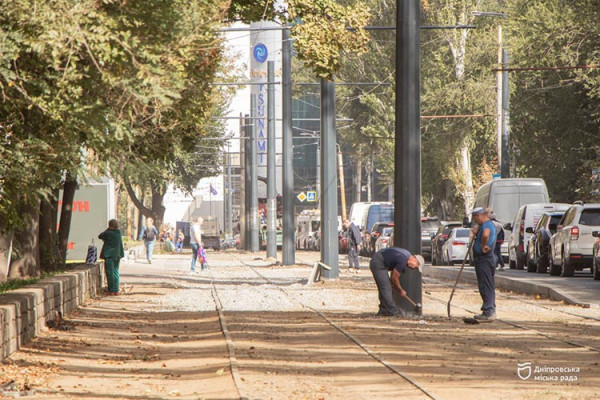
(505, 196)
(360, 209)
(527, 217)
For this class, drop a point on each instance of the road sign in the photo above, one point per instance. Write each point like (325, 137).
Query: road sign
(302, 197)
(311, 196)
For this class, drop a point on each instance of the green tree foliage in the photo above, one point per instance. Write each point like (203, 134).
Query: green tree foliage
(321, 35)
(103, 86)
(554, 113)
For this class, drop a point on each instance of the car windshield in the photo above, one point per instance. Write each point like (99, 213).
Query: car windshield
(315, 225)
(430, 225)
(387, 231)
(379, 213)
(590, 217)
(555, 219)
(462, 233)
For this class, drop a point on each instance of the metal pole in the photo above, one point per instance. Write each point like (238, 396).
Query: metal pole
(329, 206)
(229, 197)
(499, 97)
(407, 180)
(253, 181)
(342, 186)
(358, 175)
(505, 166)
(271, 168)
(245, 225)
(318, 179)
(288, 245)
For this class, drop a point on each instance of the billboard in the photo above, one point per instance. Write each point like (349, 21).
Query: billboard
(93, 206)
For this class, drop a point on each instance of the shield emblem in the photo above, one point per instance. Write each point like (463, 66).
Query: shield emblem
(524, 370)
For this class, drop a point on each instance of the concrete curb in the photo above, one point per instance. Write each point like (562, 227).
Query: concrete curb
(505, 282)
(25, 312)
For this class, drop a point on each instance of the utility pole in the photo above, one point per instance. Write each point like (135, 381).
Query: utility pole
(229, 205)
(271, 168)
(358, 177)
(288, 246)
(329, 236)
(342, 186)
(318, 178)
(505, 164)
(245, 215)
(407, 179)
(253, 179)
(499, 99)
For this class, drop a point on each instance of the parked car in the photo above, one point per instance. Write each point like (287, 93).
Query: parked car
(596, 256)
(376, 232)
(505, 196)
(527, 217)
(384, 240)
(375, 212)
(455, 247)
(429, 225)
(537, 247)
(308, 222)
(439, 238)
(572, 245)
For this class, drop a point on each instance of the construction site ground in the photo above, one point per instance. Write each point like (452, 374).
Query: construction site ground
(246, 328)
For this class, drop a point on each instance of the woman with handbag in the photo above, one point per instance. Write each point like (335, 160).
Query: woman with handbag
(112, 252)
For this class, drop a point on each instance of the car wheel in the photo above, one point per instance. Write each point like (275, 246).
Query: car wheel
(566, 267)
(542, 266)
(595, 271)
(512, 264)
(531, 265)
(519, 263)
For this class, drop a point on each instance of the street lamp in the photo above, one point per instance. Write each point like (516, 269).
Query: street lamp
(501, 99)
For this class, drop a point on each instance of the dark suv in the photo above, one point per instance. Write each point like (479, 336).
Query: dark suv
(429, 225)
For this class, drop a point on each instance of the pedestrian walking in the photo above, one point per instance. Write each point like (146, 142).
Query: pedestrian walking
(179, 241)
(354, 245)
(196, 241)
(149, 233)
(485, 261)
(499, 239)
(396, 260)
(112, 252)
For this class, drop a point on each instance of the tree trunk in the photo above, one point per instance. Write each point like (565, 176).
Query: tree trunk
(358, 176)
(467, 177)
(65, 215)
(6, 243)
(157, 210)
(48, 239)
(28, 263)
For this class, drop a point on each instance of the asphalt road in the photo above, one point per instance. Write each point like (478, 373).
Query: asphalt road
(581, 287)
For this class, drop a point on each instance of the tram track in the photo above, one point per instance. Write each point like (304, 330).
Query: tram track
(364, 348)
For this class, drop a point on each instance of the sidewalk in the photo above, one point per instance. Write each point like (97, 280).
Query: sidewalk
(580, 290)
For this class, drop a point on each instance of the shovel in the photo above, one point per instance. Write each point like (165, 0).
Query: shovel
(459, 274)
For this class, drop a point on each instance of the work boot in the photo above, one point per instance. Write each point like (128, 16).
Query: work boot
(483, 317)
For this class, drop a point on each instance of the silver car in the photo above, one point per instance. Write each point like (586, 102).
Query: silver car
(383, 241)
(572, 245)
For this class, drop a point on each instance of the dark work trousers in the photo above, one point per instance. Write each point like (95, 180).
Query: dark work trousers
(485, 268)
(353, 257)
(387, 306)
(111, 267)
(498, 252)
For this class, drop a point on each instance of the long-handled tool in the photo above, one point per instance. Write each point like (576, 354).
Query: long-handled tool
(459, 273)
(418, 307)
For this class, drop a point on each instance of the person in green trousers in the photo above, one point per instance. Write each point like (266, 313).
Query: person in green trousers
(112, 252)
